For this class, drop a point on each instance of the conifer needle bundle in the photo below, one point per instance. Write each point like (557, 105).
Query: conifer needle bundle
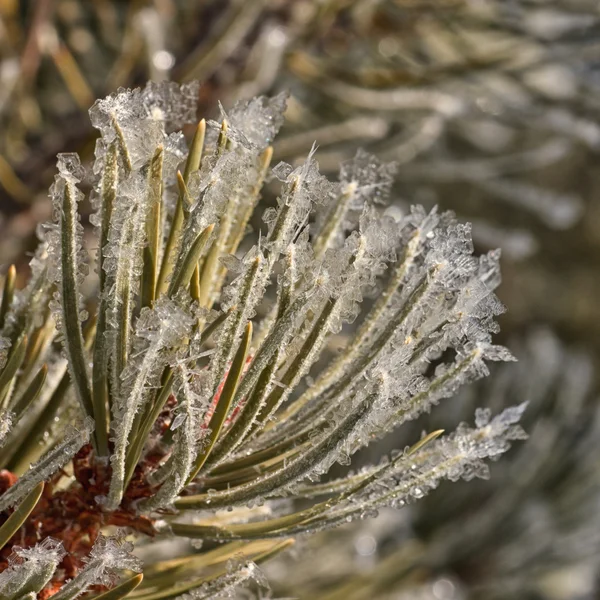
(200, 399)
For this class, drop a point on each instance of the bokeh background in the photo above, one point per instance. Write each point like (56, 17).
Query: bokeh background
(490, 108)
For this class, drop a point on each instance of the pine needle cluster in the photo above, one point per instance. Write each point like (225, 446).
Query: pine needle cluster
(194, 395)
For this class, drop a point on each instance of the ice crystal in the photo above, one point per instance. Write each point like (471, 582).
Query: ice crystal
(108, 557)
(30, 569)
(227, 585)
(257, 121)
(205, 377)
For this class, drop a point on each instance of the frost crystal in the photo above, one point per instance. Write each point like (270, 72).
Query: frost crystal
(108, 557)
(226, 585)
(30, 569)
(257, 121)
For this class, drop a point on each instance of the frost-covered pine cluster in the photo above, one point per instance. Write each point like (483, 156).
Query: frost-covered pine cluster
(530, 532)
(198, 393)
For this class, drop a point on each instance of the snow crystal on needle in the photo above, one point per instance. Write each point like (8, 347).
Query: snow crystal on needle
(39, 561)
(172, 103)
(371, 177)
(255, 123)
(108, 557)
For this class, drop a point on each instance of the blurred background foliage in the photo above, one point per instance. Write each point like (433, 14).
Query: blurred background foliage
(489, 107)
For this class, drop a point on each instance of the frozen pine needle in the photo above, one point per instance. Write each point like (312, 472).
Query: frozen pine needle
(201, 388)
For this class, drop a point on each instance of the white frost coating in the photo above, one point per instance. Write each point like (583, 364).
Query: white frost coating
(29, 569)
(461, 455)
(123, 260)
(412, 233)
(159, 332)
(445, 300)
(177, 103)
(256, 122)
(242, 295)
(29, 302)
(192, 406)
(108, 557)
(371, 178)
(70, 173)
(225, 190)
(364, 181)
(67, 269)
(303, 188)
(225, 586)
(50, 463)
(142, 116)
